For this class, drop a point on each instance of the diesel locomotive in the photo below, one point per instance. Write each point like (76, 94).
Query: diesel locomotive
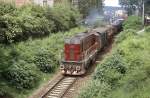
(81, 50)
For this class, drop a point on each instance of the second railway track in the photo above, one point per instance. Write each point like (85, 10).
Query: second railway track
(59, 89)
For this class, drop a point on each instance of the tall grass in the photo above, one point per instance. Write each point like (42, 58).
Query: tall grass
(125, 72)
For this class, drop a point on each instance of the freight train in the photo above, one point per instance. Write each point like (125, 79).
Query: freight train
(81, 50)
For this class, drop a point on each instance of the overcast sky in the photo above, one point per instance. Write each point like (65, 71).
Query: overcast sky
(111, 3)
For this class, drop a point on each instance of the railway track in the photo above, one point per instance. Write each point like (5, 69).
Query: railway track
(61, 87)
(56, 88)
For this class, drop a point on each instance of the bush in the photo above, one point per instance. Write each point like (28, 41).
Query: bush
(10, 28)
(133, 22)
(6, 8)
(35, 27)
(23, 25)
(26, 63)
(5, 59)
(63, 18)
(124, 35)
(45, 61)
(131, 49)
(34, 21)
(4, 93)
(113, 64)
(21, 76)
(126, 70)
(95, 88)
(147, 29)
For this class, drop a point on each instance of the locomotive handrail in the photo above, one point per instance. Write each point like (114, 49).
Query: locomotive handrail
(73, 61)
(87, 51)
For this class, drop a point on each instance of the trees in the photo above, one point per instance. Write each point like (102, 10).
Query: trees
(147, 6)
(34, 21)
(86, 5)
(135, 6)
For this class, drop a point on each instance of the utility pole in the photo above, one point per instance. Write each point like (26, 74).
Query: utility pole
(143, 14)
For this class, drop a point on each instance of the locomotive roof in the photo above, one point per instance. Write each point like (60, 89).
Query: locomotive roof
(77, 38)
(118, 22)
(80, 36)
(102, 29)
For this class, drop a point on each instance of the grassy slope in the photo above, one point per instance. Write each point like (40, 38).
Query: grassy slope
(28, 50)
(124, 73)
(136, 82)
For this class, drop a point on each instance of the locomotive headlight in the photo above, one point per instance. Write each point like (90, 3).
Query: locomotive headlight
(78, 68)
(62, 67)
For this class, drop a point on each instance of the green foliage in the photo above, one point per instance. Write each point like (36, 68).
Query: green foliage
(5, 59)
(95, 88)
(21, 76)
(111, 69)
(134, 85)
(133, 22)
(5, 93)
(45, 61)
(2, 92)
(147, 29)
(147, 7)
(126, 70)
(6, 8)
(25, 64)
(10, 28)
(125, 34)
(37, 28)
(86, 6)
(63, 17)
(33, 21)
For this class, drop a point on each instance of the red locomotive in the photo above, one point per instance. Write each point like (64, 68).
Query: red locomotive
(81, 50)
